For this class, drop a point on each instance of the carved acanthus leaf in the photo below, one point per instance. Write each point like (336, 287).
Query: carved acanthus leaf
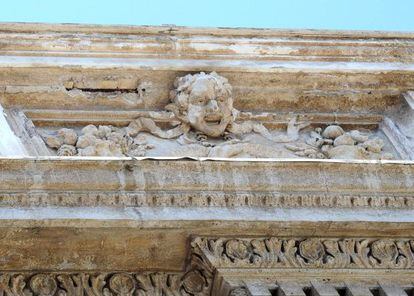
(191, 283)
(309, 253)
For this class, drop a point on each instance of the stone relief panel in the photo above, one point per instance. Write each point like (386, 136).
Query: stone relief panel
(195, 281)
(191, 283)
(202, 122)
(275, 252)
(210, 254)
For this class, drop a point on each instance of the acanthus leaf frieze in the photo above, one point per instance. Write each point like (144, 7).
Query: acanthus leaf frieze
(327, 253)
(191, 283)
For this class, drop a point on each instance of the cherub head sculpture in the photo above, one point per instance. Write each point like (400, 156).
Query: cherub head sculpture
(204, 101)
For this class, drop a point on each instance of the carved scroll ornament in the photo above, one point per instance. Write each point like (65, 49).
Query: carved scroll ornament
(203, 123)
(308, 253)
(192, 283)
(202, 104)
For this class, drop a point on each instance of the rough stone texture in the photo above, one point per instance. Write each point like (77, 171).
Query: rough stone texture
(295, 183)
(130, 225)
(203, 123)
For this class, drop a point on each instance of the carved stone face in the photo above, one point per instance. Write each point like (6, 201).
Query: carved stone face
(207, 101)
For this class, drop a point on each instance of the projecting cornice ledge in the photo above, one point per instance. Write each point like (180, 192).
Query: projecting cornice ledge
(247, 266)
(182, 42)
(77, 181)
(295, 266)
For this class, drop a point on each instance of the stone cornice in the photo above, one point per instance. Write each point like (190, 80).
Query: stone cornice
(190, 226)
(104, 284)
(152, 182)
(182, 30)
(327, 253)
(257, 266)
(260, 264)
(206, 43)
(292, 220)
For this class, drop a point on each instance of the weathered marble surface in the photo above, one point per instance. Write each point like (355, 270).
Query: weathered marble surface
(158, 239)
(155, 182)
(203, 123)
(128, 226)
(10, 144)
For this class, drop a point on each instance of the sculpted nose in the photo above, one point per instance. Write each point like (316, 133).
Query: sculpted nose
(213, 106)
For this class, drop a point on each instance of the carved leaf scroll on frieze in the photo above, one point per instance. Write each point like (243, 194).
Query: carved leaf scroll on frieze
(192, 283)
(203, 123)
(308, 253)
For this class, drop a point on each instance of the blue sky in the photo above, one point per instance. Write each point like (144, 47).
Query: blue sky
(314, 14)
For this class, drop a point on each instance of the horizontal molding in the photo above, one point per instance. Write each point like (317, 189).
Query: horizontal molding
(307, 252)
(99, 283)
(259, 265)
(172, 41)
(161, 64)
(52, 117)
(298, 221)
(178, 30)
(210, 199)
(236, 182)
(265, 282)
(273, 70)
(256, 88)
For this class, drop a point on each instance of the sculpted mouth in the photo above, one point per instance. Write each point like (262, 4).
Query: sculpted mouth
(213, 118)
(212, 123)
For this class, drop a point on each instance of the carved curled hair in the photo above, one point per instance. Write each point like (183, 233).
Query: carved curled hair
(183, 85)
